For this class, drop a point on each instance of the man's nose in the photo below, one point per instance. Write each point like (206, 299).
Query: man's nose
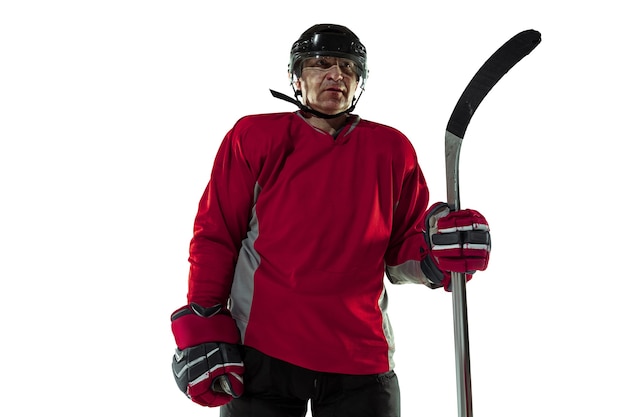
(335, 72)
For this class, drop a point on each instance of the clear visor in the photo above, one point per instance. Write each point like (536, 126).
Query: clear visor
(326, 63)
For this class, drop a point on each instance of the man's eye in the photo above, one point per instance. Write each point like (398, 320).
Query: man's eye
(347, 65)
(323, 63)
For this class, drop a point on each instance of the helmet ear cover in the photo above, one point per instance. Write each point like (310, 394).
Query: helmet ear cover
(328, 40)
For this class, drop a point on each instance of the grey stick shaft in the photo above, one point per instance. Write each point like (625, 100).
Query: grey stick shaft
(459, 298)
(461, 346)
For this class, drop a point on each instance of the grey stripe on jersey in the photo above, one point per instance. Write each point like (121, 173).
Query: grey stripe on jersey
(243, 280)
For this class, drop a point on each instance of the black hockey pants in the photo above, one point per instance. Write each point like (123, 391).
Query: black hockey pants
(274, 388)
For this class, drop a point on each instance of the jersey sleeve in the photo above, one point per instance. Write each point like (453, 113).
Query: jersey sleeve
(221, 223)
(408, 247)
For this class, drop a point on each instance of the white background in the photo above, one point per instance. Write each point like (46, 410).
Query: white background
(111, 113)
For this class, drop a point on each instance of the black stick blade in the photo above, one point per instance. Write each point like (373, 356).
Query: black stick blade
(488, 75)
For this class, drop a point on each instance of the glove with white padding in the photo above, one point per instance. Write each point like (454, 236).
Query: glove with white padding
(207, 363)
(459, 241)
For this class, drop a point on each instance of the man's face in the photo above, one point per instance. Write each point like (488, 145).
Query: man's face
(328, 84)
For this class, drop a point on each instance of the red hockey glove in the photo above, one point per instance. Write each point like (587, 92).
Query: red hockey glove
(459, 241)
(207, 364)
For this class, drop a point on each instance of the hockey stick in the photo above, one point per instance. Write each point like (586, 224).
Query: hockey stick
(487, 76)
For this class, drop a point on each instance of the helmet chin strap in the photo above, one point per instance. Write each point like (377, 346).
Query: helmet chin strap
(307, 109)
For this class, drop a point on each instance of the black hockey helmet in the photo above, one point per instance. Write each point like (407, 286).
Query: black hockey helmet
(328, 40)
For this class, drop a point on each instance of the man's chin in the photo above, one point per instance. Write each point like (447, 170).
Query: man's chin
(330, 110)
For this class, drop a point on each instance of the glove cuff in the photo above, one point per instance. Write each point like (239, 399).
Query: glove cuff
(193, 325)
(432, 272)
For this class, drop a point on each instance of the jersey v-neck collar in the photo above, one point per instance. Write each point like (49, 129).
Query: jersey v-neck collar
(343, 131)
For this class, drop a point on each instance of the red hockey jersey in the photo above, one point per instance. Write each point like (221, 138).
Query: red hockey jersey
(296, 230)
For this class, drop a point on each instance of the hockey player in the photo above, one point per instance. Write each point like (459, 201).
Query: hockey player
(304, 215)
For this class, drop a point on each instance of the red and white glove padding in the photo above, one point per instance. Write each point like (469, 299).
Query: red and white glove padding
(207, 363)
(459, 241)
